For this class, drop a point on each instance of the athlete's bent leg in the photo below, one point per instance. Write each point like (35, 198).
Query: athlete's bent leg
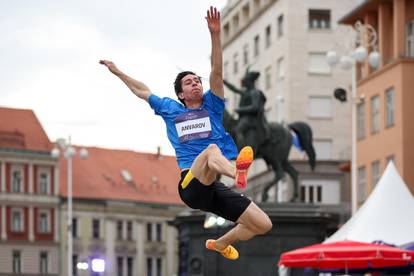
(252, 222)
(211, 162)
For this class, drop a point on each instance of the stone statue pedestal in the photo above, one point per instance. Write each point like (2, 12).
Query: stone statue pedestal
(294, 225)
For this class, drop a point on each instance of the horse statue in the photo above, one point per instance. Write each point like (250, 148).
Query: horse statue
(270, 141)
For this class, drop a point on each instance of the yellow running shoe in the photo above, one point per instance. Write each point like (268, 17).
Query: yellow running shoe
(243, 162)
(229, 252)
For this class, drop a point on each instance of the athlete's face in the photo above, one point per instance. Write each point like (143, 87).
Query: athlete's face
(192, 89)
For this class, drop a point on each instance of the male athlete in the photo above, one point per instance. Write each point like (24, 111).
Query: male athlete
(203, 148)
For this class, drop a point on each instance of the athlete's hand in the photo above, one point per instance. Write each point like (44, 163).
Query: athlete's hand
(213, 20)
(110, 65)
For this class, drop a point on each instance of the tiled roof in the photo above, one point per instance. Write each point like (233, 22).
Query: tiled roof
(99, 176)
(20, 129)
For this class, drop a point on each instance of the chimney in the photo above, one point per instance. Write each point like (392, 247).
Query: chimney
(159, 157)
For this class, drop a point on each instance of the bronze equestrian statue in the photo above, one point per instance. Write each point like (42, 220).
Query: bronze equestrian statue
(270, 141)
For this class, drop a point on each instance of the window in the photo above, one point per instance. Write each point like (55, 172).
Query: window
(320, 107)
(17, 179)
(280, 25)
(256, 45)
(302, 193)
(44, 222)
(375, 114)
(129, 230)
(119, 266)
(149, 267)
(43, 263)
(74, 264)
(130, 266)
(323, 148)
(159, 267)
(390, 107)
(246, 12)
(226, 29)
(235, 63)
(246, 54)
(44, 182)
(268, 36)
(17, 220)
(268, 77)
(95, 229)
(17, 262)
(361, 120)
(375, 169)
(362, 182)
(256, 4)
(310, 194)
(319, 19)
(119, 228)
(149, 231)
(236, 22)
(154, 232)
(159, 232)
(409, 47)
(280, 68)
(318, 64)
(226, 69)
(318, 194)
(320, 191)
(74, 227)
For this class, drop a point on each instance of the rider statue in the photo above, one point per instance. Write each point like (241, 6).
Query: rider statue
(252, 128)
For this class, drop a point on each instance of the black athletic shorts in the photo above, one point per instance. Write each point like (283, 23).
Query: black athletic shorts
(216, 198)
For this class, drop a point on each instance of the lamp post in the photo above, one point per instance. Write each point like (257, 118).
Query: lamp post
(366, 38)
(68, 152)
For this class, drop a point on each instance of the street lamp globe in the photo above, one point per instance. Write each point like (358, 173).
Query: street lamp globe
(55, 153)
(374, 59)
(83, 153)
(70, 152)
(360, 54)
(332, 58)
(345, 62)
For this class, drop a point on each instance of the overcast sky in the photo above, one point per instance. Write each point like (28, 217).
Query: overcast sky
(49, 53)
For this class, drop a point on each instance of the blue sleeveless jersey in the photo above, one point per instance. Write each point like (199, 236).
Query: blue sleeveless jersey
(190, 131)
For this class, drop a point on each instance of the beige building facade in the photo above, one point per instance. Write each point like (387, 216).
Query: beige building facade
(133, 238)
(286, 41)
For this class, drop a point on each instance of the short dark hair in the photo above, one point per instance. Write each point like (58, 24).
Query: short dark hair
(177, 83)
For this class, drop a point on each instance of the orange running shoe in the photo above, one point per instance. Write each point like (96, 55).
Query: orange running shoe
(229, 252)
(243, 162)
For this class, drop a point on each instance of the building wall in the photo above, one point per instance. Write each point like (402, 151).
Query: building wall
(407, 123)
(303, 84)
(388, 141)
(30, 258)
(294, 47)
(110, 247)
(293, 84)
(390, 21)
(29, 242)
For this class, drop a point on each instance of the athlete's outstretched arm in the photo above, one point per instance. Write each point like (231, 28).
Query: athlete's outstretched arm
(138, 88)
(216, 75)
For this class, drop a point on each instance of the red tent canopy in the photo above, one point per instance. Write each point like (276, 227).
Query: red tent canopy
(347, 255)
